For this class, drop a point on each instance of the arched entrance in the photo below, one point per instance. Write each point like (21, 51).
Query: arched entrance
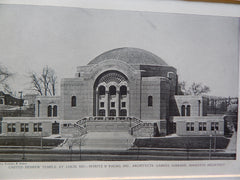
(111, 94)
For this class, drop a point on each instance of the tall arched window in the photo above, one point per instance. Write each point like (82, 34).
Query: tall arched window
(188, 110)
(183, 110)
(55, 111)
(74, 101)
(123, 90)
(112, 90)
(38, 108)
(101, 90)
(150, 101)
(49, 111)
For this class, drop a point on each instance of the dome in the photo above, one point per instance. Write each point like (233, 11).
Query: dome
(130, 56)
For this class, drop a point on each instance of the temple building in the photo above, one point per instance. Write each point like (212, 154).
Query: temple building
(124, 89)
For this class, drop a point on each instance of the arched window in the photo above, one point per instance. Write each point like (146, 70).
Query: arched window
(112, 90)
(38, 108)
(123, 112)
(112, 112)
(123, 90)
(188, 110)
(54, 111)
(49, 111)
(102, 112)
(101, 90)
(183, 110)
(74, 101)
(150, 101)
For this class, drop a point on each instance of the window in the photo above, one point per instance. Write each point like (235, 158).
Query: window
(190, 126)
(101, 90)
(112, 104)
(55, 111)
(74, 101)
(123, 104)
(1, 101)
(123, 112)
(214, 126)
(188, 110)
(112, 90)
(49, 111)
(38, 107)
(202, 126)
(37, 127)
(112, 112)
(183, 110)
(24, 127)
(101, 104)
(102, 112)
(150, 101)
(11, 127)
(123, 90)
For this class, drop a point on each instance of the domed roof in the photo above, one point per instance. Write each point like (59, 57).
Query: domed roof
(130, 56)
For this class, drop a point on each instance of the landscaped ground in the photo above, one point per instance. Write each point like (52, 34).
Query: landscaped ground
(189, 142)
(28, 141)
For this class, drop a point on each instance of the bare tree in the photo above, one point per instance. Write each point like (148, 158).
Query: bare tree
(194, 88)
(45, 83)
(4, 76)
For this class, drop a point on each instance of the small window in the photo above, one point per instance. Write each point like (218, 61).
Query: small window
(190, 126)
(49, 111)
(214, 126)
(1, 101)
(123, 104)
(55, 111)
(112, 112)
(188, 110)
(202, 126)
(37, 127)
(24, 127)
(74, 101)
(183, 110)
(123, 112)
(150, 101)
(112, 104)
(102, 112)
(101, 104)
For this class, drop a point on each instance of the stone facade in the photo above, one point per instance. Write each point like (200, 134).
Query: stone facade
(125, 89)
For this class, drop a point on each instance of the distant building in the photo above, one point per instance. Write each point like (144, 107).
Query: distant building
(125, 89)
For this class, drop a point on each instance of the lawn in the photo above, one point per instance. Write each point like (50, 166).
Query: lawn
(189, 142)
(28, 141)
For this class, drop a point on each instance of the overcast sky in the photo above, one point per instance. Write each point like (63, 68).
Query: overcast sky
(202, 48)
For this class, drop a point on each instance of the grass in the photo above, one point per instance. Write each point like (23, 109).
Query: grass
(189, 142)
(28, 141)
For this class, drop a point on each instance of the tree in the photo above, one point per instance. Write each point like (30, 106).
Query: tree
(45, 83)
(194, 88)
(4, 76)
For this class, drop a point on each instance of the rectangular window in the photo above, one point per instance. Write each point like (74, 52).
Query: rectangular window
(200, 126)
(204, 126)
(214, 126)
(37, 127)
(101, 104)
(11, 127)
(112, 104)
(123, 104)
(24, 127)
(190, 126)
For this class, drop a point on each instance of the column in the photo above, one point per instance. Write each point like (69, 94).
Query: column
(117, 103)
(97, 104)
(107, 103)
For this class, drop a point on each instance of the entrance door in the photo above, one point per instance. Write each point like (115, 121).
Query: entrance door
(55, 128)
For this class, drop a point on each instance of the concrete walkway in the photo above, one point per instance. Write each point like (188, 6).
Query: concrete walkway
(100, 141)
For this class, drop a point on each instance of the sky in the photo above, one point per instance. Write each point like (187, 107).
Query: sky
(203, 49)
